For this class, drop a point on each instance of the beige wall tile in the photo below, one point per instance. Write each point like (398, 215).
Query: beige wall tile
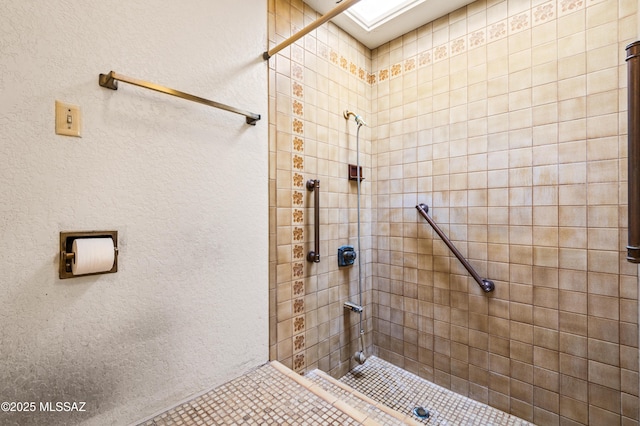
(520, 145)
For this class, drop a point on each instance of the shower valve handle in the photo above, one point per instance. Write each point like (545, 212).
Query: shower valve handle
(349, 255)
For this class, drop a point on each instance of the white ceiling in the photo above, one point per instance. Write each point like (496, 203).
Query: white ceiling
(425, 12)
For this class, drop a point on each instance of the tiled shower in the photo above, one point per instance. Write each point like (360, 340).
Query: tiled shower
(508, 118)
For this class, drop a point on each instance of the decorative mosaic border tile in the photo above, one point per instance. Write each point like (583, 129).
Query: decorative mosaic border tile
(514, 24)
(297, 212)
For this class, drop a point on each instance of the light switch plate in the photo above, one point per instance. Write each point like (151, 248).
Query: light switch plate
(68, 120)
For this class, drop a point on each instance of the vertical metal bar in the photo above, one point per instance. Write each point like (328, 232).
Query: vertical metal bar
(485, 284)
(633, 77)
(314, 185)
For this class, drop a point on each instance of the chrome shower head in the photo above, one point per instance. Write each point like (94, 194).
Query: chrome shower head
(360, 121)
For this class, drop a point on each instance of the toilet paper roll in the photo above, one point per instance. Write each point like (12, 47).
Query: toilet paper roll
(92, 255)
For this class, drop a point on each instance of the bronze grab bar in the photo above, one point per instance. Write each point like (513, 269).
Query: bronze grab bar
(485, 284)
(306, 30)
(314, 185)
(110, 81)
(633, 95)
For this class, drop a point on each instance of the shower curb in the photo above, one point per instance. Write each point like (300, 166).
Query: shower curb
(327, 396)
(406, 419)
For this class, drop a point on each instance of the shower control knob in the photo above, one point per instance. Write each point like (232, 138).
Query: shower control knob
(346, 255)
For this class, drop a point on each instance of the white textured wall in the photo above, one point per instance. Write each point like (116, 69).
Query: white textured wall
(184, 184)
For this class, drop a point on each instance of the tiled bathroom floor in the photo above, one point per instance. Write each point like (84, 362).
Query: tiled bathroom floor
(274, 395)
(403, 391)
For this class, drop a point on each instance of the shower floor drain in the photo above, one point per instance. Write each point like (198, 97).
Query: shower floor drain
(421, 412)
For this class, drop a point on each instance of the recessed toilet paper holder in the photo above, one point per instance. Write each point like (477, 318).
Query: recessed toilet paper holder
(67, 255)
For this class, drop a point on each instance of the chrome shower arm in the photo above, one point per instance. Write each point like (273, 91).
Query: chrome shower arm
(358, 119)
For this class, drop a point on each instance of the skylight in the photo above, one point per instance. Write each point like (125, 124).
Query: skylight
(370, 14)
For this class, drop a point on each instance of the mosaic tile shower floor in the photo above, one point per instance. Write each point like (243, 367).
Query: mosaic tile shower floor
(263, 396)
(403, 391)
(274, 395)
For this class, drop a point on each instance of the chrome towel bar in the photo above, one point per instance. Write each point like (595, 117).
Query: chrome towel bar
(110, 81)
(485, 284)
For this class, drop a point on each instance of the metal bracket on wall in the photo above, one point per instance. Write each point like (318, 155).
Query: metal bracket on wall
(354, 172)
